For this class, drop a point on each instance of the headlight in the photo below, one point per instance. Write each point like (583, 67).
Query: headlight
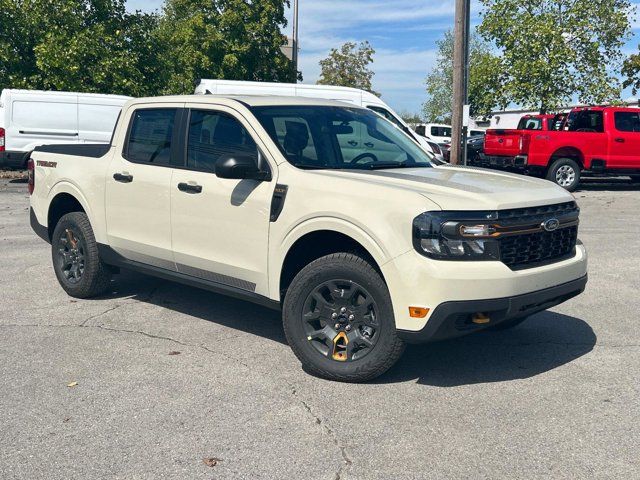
(456, 235)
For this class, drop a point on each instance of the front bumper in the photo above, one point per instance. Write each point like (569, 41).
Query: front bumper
(453, 319)
(519, 161)
(416, 281)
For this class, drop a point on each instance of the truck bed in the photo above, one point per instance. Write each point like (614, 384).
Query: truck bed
(92, 150)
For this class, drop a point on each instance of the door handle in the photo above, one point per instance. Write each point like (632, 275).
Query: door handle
(189, 188)
(353, 143)
(619, 140)
(368, 144)
(123, 177)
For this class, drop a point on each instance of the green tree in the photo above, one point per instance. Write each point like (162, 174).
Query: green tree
(231, 39)
(553, 50)
(631, 70)
(484, 80)
(349, 67)
(80, 45)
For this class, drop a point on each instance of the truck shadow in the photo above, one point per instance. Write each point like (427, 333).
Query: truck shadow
(202, 304)
(542, 343)
(607, 184)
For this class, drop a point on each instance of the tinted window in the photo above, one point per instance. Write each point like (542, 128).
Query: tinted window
(214, 134)
(421, 130)
(627, 121)
(530, 123)
(441, 131)
(585, 121)
(150, 136)
(339, 137)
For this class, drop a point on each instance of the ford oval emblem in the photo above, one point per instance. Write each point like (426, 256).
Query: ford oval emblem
(551, 224)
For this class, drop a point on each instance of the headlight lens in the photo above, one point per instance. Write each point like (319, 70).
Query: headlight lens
(456, 235)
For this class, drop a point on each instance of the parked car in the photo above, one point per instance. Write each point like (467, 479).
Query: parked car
(29, 118)
(355, 96)
(362, 247)
(601, 140)
(441, 133)
(475, 147)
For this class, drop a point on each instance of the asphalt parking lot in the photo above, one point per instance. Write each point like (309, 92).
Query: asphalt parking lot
(173, 382)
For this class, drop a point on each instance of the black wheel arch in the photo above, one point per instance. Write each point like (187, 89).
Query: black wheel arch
(317, 244)
(61, 204)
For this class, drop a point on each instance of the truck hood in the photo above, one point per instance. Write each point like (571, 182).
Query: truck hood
(465, 188)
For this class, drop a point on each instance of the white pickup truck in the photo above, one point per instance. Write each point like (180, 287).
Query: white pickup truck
(315, 207)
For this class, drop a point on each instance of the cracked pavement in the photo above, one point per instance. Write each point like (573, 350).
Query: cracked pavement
(169, 375)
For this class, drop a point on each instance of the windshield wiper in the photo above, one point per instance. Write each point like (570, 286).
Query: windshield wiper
(383, 165)
(307, 166)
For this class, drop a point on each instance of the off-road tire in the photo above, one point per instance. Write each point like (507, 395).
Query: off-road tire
(347, 266)
(568, 166)
(96, 276)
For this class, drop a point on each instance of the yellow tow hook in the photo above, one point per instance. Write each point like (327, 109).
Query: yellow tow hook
(70, 238)
(340, 347)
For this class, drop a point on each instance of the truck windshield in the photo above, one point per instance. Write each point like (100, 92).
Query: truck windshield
(323, 137)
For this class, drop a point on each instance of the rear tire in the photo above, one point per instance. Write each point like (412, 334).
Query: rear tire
(565, 172)
(635, 178)
(338, 319)
(76, 261)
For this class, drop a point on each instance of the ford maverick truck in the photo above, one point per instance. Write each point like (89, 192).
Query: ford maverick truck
(322, 210)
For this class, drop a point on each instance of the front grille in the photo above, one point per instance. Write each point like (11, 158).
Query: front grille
(525, 214)
(529, 250)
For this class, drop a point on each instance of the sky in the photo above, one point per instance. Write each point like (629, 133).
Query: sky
(403, 33)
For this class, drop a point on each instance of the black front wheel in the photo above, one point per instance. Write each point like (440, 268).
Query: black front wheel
(339, 321)
(76, 261)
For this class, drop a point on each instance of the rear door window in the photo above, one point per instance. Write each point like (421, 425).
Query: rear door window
(627, 121)
(150, 136)
(585, 121)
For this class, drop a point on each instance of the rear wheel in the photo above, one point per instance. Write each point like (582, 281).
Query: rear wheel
(76, 261)
(565, 172)
(339, 321)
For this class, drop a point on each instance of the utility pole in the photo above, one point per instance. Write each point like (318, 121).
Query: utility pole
(294, 52)
(460, 80)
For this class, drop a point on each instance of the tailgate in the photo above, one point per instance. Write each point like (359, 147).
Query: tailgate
(507, 143)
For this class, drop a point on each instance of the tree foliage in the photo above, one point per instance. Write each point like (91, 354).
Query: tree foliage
(553, 50)
(484, 80)
(90, 46)
(631, 70)
(97, 46)
(348, 66)
(230, 39)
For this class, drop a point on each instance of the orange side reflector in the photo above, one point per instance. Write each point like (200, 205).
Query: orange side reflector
(418, 312)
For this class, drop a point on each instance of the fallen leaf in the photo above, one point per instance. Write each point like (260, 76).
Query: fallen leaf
(211, 462)
(174, 353)
(72, 384)
(66, 420)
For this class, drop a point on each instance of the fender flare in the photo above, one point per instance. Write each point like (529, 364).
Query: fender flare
(316, 224)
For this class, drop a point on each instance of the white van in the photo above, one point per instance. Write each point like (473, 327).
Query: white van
(29, 118)
(441, 133)
(361, 98)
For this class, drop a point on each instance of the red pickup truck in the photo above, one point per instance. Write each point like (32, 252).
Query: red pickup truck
(604, 140)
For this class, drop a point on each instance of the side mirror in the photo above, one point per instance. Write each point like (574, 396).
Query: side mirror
(240, 167)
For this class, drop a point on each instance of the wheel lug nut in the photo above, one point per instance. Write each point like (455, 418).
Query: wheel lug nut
(343, 309)
(337, 325)
(348, 328)
(334, 315)
(351, 317)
